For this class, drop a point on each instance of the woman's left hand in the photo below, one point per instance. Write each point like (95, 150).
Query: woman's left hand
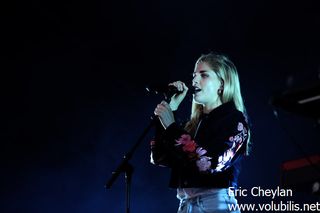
(165, 114)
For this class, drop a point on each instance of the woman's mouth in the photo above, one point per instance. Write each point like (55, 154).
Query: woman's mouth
(196, 90)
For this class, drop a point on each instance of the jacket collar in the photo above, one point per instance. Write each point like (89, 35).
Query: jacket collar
(221, 110)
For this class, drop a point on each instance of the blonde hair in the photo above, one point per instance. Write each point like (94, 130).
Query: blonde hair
(228, 75)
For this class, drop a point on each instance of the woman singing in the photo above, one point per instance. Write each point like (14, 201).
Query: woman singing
(205, 154)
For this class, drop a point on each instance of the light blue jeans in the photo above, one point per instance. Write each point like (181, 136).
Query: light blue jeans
(198, 200)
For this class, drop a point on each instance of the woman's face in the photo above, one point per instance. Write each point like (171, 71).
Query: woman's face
(206, 84)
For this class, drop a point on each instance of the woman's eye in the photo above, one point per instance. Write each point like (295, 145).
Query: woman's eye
(204, 75)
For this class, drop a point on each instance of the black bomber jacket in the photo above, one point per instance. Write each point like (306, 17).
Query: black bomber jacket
(208, 159)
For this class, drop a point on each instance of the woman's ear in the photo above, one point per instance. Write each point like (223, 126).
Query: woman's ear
(221, 84)
(220, 90)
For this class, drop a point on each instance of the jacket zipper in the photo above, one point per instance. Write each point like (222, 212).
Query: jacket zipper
(195, 134)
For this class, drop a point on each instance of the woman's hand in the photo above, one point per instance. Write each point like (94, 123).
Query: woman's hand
(176, 99)
(164, 113)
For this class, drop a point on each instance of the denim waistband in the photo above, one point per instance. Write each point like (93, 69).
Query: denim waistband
(189, 193)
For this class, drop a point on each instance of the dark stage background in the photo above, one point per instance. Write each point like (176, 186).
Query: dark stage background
(73, 98)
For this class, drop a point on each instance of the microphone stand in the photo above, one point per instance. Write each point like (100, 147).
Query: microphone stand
(125, 166)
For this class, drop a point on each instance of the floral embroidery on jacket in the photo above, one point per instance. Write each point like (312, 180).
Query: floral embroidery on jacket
(203, 162)
(188, 145)
(194, 152)
(224, 161)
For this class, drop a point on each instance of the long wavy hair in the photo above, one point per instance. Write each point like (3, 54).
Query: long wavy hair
(228, 75)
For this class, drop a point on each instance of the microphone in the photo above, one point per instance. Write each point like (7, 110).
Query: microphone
(167, 90)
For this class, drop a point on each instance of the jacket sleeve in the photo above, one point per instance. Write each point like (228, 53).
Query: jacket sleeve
(216, 155)
(162, 154)
(235, 142)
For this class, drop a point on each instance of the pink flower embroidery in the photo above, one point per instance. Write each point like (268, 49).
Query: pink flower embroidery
(194, 152)
(200, 151)
(237, 139)
(203, 163)
(240, 126)
(188, 145)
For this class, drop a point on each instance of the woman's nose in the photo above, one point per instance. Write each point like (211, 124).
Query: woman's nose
(195, 81)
